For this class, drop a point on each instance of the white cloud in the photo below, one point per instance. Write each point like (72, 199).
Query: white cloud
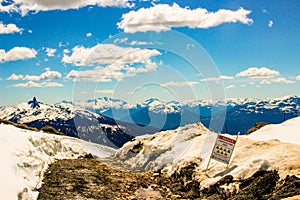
(276, 80)
(282, 80)
(50, 52)
(47, 75)
(140, 43)
(298, 77)
(66, 51)
(9, 28)
(265, 82)
(72, 74)
(110, 72)
(222, 77)
(134, 42)
(163, 17)
(29, 84)
(52, 84)
(270, 24)
(254, 72)
(89, 35)
(178, 84)
(189, 46)
(243, 85)
(230, 87)
(107, 54)
(17, 53)
(62, 44)
(25, 6)
(32, 84)
(15, 77)
(110, 61)
(120, 40)
(105, 91)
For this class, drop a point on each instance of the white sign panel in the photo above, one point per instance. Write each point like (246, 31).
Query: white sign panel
(223, 149)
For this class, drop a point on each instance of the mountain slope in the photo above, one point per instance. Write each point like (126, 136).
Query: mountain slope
(169, 151)
(25, 155)
(287, 131)
(72, 121)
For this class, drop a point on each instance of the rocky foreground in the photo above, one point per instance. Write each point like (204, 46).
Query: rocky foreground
(90, 178)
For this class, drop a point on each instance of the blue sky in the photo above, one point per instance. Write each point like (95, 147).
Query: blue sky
(133, 50)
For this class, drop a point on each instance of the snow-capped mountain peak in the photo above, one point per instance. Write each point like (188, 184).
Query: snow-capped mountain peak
(23, 113)
(157, 106)
(70, 120)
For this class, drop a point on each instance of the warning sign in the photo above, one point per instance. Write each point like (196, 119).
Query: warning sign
(223, 149)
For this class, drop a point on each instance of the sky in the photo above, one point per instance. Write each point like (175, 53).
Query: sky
(134, 50)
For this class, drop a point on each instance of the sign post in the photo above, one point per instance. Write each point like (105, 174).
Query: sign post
(223, 149)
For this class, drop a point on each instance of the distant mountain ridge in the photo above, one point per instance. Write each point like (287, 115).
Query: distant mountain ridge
(113, 122)
(241, 114)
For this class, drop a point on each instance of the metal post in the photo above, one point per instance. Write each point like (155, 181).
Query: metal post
(210, 155)
(236, 139)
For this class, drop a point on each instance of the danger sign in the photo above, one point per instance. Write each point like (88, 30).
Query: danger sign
(223, 149)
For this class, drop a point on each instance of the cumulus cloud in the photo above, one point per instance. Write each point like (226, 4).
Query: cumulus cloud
(110, 62)
(25, 6)
(15, 77)
(230, 87)
(104, 91)
(89, 35)
(32, 84)
(110, 72)
(9, 28)
(107, 54)
(162, 17)
(265, 82)
(17, 53)
(51, 84)
(66, 51)
(47, 75)
(254, 72)
(282, 80)
(179, 84)
(270, 24)
(276, 80)
(50, 52)
(222, 77)
(298, 77)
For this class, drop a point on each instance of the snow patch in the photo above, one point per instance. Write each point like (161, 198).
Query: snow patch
(274, 147)
(25, 155)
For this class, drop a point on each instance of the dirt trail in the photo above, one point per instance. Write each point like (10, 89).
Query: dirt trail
(90, 178)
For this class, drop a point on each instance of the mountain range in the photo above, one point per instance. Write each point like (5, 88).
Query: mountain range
(229, 116)
(113, 122)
